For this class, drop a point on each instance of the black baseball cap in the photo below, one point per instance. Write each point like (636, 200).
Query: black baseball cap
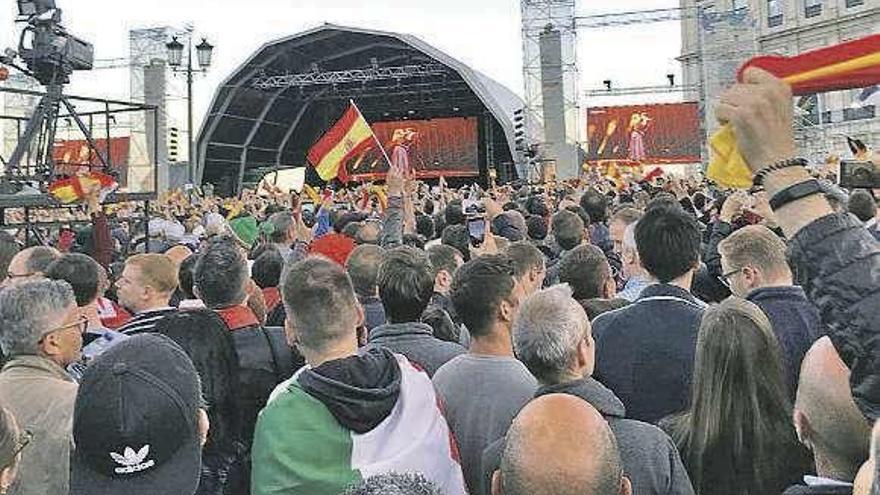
(135, 423)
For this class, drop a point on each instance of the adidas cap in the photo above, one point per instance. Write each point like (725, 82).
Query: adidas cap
(135, 423)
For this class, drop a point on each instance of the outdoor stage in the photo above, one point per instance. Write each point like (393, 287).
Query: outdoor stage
(278, 103)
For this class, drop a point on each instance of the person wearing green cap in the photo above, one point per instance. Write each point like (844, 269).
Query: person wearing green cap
(246, 230)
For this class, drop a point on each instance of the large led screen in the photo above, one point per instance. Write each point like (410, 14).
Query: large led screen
(649, 134)
(437, 147)
(73, 156)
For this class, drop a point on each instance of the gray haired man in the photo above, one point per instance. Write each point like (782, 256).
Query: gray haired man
(41, 334)
(552, 337)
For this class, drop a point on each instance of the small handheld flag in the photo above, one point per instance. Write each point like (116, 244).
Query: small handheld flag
(78, 187)
(854, 64)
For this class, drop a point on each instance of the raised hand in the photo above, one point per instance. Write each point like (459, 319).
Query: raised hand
(760, 110)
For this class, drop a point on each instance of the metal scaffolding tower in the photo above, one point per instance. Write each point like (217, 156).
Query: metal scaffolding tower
(550, 73)
(152, 83)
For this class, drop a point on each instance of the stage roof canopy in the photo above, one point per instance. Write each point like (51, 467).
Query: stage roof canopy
(271, 109)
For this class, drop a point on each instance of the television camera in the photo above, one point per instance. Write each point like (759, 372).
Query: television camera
(49, 54)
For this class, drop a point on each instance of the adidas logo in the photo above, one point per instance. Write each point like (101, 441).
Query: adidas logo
(131, 461)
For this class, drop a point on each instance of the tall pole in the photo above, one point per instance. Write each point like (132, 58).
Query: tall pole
(190, 167)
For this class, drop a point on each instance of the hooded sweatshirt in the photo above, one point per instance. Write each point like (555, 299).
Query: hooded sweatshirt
(349, 419)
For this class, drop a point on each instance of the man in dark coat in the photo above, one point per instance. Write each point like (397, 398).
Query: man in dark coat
(645, 351)
(755, 267)
(220, 278)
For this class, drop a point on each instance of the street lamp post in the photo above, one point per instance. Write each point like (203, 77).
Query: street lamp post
(204, 52)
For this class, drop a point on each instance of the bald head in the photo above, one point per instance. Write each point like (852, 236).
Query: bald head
(30, 263)
(574, 435)
(826, 417)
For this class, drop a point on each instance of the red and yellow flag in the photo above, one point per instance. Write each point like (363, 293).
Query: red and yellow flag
(76, 188)
(854, 64)
(347, 138)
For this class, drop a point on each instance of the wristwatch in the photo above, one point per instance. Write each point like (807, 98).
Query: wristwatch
(795, 192)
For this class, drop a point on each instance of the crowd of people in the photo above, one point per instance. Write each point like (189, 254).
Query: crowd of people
(666, 337)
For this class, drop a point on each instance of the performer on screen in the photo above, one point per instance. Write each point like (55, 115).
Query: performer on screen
(401, 142)
(638, 127)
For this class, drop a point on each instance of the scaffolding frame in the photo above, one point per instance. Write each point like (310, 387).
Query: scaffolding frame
(266, 81)
(111, 108)
(539, 18)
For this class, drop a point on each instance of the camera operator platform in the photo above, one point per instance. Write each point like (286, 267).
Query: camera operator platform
(49, 54)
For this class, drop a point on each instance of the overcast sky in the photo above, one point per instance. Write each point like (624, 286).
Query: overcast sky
(482, 33)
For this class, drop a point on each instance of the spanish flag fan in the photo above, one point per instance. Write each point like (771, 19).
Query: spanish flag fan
(78, 187)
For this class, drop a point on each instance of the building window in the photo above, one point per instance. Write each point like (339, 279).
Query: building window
(812, 8)
(854, 3)
(807, 107)
(740, 4)
(859, 113)
(774, 13)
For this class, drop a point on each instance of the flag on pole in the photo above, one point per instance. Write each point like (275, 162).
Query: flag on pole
(347, 138)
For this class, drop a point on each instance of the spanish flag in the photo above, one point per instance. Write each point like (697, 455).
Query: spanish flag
(347, 138)
(78, 187)
(854, 64)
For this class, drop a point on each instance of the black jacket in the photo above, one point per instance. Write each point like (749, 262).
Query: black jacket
(838, 261)
(650, 459)
(416, 341)
(264, 361)
(645, 351)
(441, 317)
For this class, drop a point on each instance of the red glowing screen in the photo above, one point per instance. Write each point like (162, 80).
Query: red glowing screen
(649, 134)
(72, 156)
(444, 146)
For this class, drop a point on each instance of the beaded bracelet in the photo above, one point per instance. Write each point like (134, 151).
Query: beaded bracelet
(789, 162)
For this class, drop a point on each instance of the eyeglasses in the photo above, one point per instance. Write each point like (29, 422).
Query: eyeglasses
(82, 322)
(725, 278)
